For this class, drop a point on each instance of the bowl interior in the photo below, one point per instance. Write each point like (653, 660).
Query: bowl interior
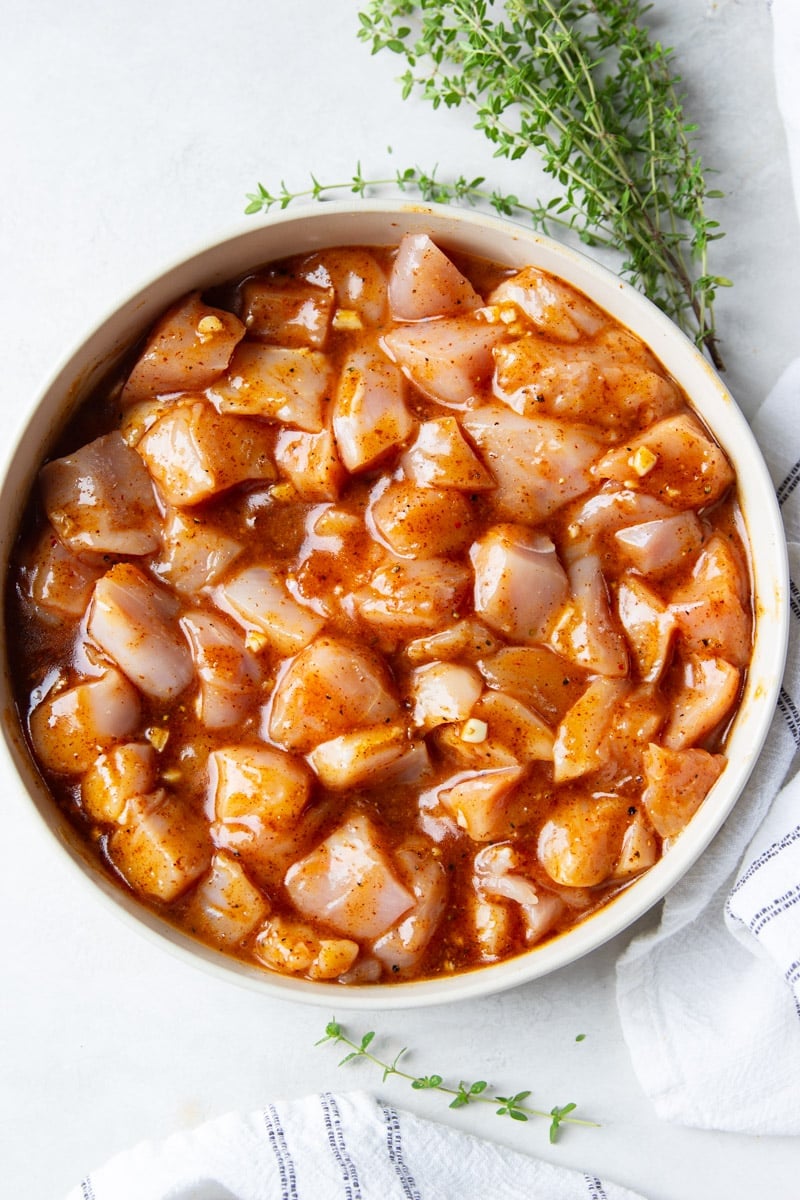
(375, 223)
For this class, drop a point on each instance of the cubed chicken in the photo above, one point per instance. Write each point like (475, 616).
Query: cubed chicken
(639, 850)
(58, 582)
(415, 522)
(402, 948)
(286, 312)
(594, 521)
(194, 555)
(520, 586)
(295, 948)
(277, 383)
(226, 906)
(587, 632)
(424, 282)
(441, 457)
(194, 453)
(515, 726)
(188, 349)
(115, 777)
(258, 600)
(710, 608)
(537, 676)
(656, 548)
(357, 278)
(362, 757)
(449, 360)
(136, 623)
(534, 376)
(162, 849)
(443, 691)
(328, 689)
(580, 842)
(311, 463)
(350, 883)
(704, 698)
(258, 787)
(228, 675)
(101, 499)
(675, 460)
(500, 874)
(468, 639)
(370, 417)
(553, 307)
(538, 464)
(676, 784)
(478, 801)
(414, 597)
(70, 726)
(579, 747)
(649, 627)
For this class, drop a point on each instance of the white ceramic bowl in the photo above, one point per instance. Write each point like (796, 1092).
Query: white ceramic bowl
(376, 223)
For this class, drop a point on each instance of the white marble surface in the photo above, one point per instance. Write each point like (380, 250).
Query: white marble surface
(130, 133)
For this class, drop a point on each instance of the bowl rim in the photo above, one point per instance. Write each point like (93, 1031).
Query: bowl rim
(66, 386)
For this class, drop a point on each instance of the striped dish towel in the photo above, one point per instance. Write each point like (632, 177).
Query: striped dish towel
(332, 1145)
(710, 1002)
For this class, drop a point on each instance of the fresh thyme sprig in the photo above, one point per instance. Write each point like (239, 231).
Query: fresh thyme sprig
(583, 84)
(464, 1093)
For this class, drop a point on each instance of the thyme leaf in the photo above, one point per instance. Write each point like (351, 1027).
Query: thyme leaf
(584, 85)
(515, 1107)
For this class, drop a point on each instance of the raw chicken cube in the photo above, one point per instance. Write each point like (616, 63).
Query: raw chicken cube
(424, 282)
(286, 313)
(676, 784)
(101, 499)
(258, 786)
(226, 907)
(441, 457)
(349, 883)
(277, 383)
(189, 348)
(520, 585)
(328, 689)
(362, 757)
(162, 849)
(370, 417)
(69, 727)
(194, 453)
(538, 464)
(449, 360)
(580, 843)
(416, 522)
(258, 600)
(135, 622)
(116, 777)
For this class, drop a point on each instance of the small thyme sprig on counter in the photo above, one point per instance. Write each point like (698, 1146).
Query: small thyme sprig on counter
(584, 85)
(464, 1093)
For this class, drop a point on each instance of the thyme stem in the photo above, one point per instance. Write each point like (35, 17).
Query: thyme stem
(515, 1107)
(582, 83)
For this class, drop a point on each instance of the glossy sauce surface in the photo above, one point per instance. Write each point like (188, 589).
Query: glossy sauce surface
(384, 616)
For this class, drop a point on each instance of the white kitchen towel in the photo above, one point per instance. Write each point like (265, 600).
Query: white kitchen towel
(333, 1145)
(710, 1001)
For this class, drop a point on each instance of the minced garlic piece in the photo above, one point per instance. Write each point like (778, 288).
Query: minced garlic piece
(347, 318)
(283, 491)
(209, 325)
(474, 730)
(157, 736)
(642, 461)
(255, 641)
